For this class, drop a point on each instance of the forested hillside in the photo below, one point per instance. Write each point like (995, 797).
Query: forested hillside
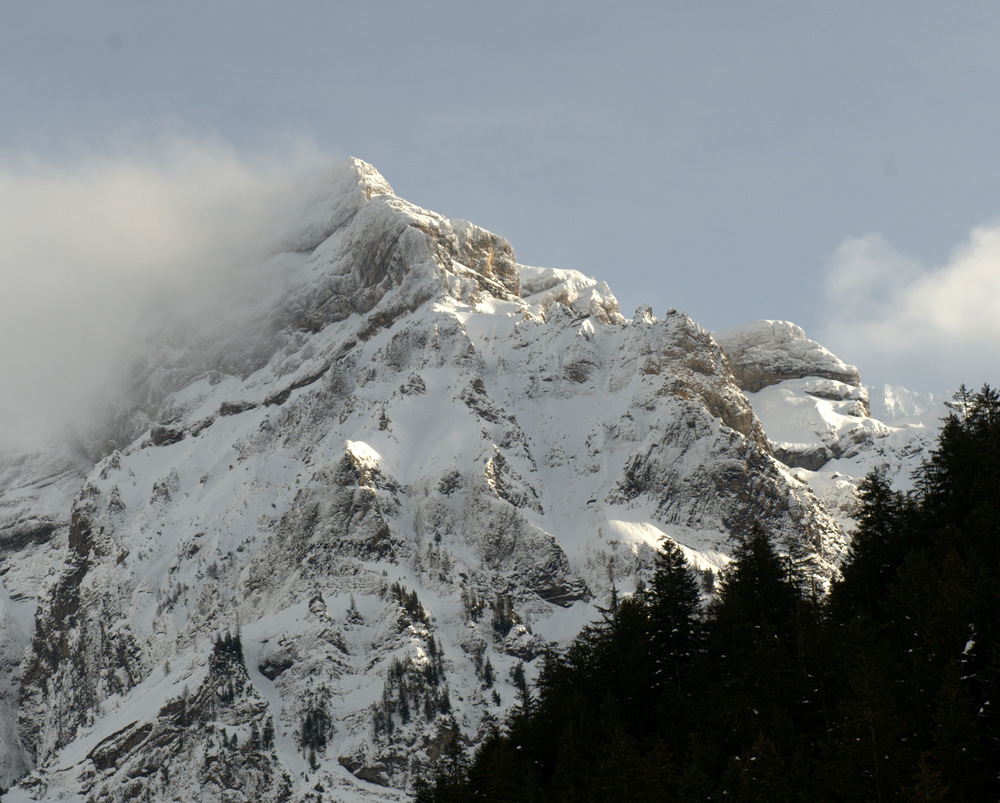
(886, 689)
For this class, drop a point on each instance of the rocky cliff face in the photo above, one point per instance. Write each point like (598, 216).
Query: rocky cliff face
(36, 492)
(332, 527)
(765, 353)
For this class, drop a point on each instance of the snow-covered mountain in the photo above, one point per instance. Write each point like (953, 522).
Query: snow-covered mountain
(821, 422)
(353, 492)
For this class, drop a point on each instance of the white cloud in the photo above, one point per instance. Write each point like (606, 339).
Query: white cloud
(865, 272)
(930, 328)
(84, 246)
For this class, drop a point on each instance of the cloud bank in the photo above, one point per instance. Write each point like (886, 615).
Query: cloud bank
(84, 247)
(929, 328)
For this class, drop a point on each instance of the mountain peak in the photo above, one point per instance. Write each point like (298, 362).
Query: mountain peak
(391, 457)
(763, 353)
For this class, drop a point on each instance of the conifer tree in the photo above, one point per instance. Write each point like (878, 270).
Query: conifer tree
(758, 590)
(674, 616)
(757, 679)
(878, 547)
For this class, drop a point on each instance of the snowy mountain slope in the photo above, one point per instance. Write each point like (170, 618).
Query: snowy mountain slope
(36, 491)
(819, 417)
(391, 465)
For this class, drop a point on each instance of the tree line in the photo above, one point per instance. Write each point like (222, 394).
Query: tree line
(888, 688)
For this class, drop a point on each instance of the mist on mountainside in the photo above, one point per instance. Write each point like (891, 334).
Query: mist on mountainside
(93, 247)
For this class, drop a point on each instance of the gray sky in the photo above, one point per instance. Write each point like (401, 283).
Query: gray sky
(831, 163)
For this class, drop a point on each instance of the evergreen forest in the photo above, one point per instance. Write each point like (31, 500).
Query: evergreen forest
(885, 689)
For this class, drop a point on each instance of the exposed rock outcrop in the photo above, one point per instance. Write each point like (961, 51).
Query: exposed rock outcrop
(764, 353)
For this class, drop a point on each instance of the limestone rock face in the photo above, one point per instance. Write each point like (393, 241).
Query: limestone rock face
(764, 353)
(36, 493)
(390, 458)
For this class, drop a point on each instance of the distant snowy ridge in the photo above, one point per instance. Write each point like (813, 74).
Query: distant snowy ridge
(894, 404)
(398, 466)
